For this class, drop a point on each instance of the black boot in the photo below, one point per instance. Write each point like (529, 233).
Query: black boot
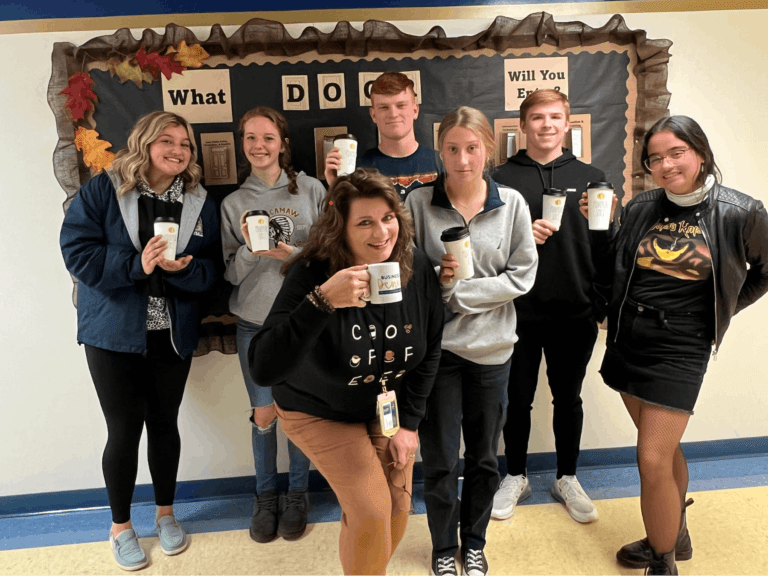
(638, 554)
(662, 563)
(264, 521)
(293, 514)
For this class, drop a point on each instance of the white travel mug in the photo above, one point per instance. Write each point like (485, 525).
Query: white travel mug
(384, 283)
(347, 145)
(167, 226)
(258, 229)
(553, 204)
(600, 198)
(456, 242)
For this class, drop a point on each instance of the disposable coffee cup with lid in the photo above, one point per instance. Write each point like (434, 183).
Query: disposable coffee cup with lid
(167, 226)
(600, 198)
(456, 242)
(553, 204)
(347, 145)
(258, 229)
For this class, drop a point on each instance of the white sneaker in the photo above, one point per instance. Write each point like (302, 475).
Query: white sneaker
(568, 491)
(513, 489)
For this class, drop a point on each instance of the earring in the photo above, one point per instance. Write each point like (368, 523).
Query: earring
(702, 168)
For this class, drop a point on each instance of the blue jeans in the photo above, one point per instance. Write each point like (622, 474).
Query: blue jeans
(473, 398)
(264, 440)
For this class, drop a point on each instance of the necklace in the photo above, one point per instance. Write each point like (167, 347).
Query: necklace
(471, 197)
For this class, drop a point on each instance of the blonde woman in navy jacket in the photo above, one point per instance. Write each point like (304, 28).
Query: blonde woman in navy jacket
(136, 311)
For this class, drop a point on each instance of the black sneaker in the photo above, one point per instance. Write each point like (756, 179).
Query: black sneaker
(475, 563)
(264, 521)
(444, 566)
(293, 514)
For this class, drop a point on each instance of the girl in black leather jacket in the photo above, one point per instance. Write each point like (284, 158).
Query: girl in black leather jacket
(686, 258)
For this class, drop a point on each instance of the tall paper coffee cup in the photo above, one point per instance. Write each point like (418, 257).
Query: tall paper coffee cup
(600, 198)
(258, 229)
(167, 226)
(553, 204)
(456, 242)
(347, 145)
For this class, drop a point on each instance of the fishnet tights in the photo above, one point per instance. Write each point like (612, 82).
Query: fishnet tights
(663, 470)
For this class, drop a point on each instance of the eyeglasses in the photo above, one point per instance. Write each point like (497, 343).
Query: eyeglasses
(654, 162)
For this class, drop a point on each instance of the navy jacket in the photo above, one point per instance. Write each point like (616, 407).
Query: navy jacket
(100, 244)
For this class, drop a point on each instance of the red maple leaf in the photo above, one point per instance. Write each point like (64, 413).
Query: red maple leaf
(156, 64)
(80, 97)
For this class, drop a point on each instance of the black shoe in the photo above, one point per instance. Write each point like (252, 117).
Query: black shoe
(662, 563)
(264, 521)
(638, 554)
(474, 563)
(444, 566)
(293, 514)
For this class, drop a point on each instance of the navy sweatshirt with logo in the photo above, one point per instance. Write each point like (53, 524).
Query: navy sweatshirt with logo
(330, 365)
(564, 280)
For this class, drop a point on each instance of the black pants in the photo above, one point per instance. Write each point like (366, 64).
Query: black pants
(468, 398)
(135, 390)
(567, 346)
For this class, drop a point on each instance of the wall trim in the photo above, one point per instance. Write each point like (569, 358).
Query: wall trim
(224, 488)
(457, 10)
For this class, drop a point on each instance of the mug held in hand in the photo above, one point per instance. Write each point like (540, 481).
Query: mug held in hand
(384, 284)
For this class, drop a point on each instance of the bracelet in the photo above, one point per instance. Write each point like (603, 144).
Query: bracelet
(323, 300)
(320, 301)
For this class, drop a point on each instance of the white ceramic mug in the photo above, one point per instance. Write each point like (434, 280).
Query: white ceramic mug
(258, 229)
(553, 204)
(385, 283)
(347, 145)
(456, 242)
(167, 226)
(600, 198)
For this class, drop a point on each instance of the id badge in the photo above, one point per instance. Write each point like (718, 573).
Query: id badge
(386, 408)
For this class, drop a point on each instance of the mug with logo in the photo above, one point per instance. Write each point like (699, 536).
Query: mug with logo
(258, 229)
(456, 242)
(167, 226)
(600, 197)
(553, 204)
(384, 283)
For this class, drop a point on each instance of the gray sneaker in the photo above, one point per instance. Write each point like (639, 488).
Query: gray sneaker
(512, 490)
(568, 491)
(173, 540)
(127, 551)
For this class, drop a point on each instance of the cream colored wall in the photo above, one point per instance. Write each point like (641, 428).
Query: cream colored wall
(52, 429)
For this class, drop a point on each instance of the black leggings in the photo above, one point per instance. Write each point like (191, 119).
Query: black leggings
(136, 389)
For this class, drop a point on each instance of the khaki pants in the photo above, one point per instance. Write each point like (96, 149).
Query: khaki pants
(375, 497)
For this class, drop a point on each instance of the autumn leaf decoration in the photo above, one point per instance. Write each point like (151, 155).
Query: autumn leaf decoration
(156, 64)
(189, 56)
(127, 69)
(95, 154)
(80, 97)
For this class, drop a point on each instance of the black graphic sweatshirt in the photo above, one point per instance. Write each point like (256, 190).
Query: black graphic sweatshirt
(564, 280)
(330, 365)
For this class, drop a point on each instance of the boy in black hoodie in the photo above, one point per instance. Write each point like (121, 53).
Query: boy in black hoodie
(558, 315)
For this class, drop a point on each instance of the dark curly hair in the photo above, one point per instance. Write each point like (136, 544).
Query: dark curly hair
(327, 240)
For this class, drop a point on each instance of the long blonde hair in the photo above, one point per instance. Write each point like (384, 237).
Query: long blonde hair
(132, 163)
(474, 120)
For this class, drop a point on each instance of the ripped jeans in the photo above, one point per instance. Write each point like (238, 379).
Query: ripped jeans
(264, 440)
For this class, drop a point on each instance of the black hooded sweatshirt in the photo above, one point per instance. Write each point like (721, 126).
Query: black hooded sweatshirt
(564, 280)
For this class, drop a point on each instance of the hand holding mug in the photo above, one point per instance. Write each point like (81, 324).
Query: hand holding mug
(584, 205)
(448, 266)
(332, 165)
(347, 287)
(543, 229)
(175, 265)
(152, 253)
(244, 230)
(282, 252)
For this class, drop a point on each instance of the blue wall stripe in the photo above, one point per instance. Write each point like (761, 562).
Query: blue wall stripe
(196, 490)
(41, 9)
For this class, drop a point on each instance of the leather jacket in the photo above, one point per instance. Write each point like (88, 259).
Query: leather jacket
(735, 228)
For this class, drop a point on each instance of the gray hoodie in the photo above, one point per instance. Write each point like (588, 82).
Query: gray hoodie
(257, 279)
(482, 325)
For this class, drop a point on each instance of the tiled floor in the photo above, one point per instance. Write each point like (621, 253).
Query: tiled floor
(727, 524)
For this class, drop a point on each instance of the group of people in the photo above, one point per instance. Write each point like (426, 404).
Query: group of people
(460, 356)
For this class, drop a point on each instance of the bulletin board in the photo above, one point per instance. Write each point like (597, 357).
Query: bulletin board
(615, 79)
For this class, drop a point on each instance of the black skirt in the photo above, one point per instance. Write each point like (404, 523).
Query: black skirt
(659, 357)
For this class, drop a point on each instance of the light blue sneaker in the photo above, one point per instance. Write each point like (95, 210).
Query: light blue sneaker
(127, 551)
(173, 540)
